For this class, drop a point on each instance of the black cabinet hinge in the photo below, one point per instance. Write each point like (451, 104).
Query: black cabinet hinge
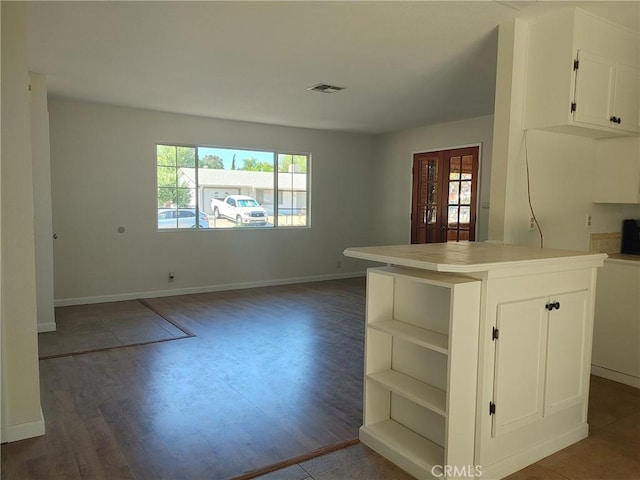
(573, 107)
(492, 408)
(576, 64)
(495, 333)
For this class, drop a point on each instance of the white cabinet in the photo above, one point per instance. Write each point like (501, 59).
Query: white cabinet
(617, 170)
(535, 354)
(519, 366)
(606, 93)
(567, 357)
(582, 76)
(626, 100)
(540, 359)
(421, 347)
(616, 331)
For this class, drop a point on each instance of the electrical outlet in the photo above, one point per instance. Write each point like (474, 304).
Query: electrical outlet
(172, 276)
(532, 224)
(587, 222)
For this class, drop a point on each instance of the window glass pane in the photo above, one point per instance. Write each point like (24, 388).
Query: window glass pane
(292, 190)
(235, 186)
(453, 215)
(432, 215)
(186, 157)
(176, 195)
(454, 193)
(465, 214)
(167, 218)
(432, 197)
(465, 192)
(467, 167)
(433, 170)
(166, 155)
(454, 168)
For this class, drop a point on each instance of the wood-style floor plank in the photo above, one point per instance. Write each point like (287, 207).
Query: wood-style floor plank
(271, 374)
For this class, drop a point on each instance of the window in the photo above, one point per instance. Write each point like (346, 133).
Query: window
(213, 187)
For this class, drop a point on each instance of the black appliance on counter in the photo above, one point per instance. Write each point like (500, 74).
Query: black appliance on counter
(631, 237)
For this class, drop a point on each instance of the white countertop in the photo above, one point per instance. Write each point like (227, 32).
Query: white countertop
(467, 257)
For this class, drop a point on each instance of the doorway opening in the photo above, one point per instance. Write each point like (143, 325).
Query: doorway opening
(444, 195)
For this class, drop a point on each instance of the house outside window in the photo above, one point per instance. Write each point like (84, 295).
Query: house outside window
(233, 188)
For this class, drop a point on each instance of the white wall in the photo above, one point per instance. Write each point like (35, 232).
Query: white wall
(391, 188)
(103, 177)
(561, 180)
(22, 416)
(42, 202)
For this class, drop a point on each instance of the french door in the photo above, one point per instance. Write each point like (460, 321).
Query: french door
(444, 195)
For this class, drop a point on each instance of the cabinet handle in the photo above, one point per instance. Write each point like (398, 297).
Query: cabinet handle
(550, 306)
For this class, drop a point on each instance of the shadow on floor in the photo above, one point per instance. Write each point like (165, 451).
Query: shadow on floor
(102, 326)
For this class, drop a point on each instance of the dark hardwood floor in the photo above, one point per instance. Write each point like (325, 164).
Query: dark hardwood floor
(271, 374)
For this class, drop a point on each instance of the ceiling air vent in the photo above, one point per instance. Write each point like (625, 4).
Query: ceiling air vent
(325, 88)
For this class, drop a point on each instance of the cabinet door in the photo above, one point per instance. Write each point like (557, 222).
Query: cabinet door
(566, 350)
(519, 364)
(594, 90)
(626, 98)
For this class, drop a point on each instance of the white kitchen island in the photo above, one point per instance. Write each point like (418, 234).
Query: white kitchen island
(477, 355)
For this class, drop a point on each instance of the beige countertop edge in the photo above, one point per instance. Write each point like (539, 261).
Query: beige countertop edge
(589, 259)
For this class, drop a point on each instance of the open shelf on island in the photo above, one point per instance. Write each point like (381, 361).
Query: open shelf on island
(418, 392)
(402, 445)
(421, 344)
(411, 333)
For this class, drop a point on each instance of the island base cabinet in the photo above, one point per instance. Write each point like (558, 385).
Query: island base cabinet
(536, 356)
(540, 359)
(421, 354)
(476, 355)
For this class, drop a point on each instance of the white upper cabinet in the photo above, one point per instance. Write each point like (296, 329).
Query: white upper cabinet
(606, 93)
(582, 76)
(626, 105)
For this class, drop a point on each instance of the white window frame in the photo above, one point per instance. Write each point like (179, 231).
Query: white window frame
(278, 222)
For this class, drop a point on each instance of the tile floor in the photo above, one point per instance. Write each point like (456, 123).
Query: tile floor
(355, 462)
(611, 452)
(100, 326)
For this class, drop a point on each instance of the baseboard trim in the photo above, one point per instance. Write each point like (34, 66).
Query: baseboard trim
(22, 431)
(47, 327)
(65, 302)
(615, 376)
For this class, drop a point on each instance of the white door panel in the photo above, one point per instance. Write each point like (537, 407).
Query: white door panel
(520, 364)
(566, 352)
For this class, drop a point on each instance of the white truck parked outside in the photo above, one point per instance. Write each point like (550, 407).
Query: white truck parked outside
(242, 209)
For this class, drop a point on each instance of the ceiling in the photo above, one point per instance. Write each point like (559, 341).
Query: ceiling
(403, 64)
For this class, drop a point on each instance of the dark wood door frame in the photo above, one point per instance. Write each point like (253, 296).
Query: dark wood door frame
(438, 178)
